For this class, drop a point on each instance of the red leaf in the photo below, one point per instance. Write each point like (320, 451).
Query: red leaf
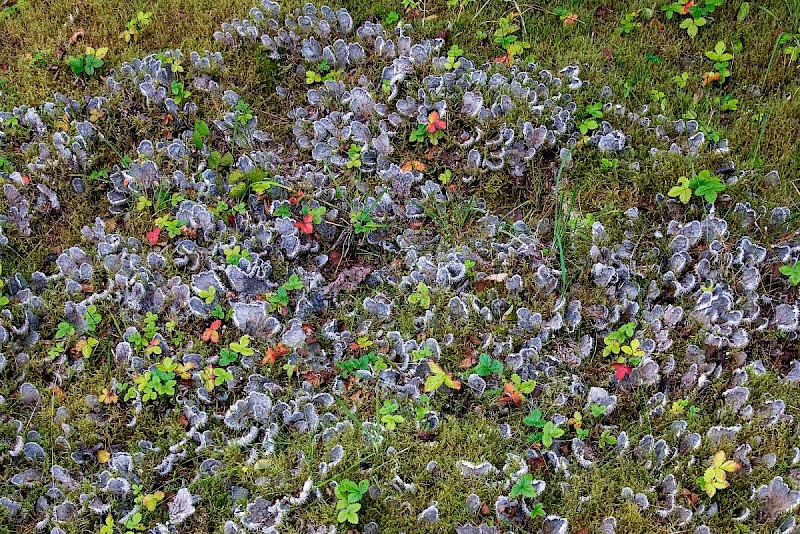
(435, 123)
(306, 225)
(153, 235)
(621, 370)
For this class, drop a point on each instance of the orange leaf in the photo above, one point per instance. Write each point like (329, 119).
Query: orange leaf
(306, 225)
(274, 353)
(412, 165)
(710, 77)
(510, 394)
(212, 332)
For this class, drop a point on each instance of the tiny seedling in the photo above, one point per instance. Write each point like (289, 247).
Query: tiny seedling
(706, 186)
(135, 26)
(388, 415)
(208, 294)
(453, 54)
(628, 23)
(606, 439)
(235, 254)
(548, 433)
(421, 296)
(179, 93)
(597, 410)
(354, 157)
(214, 376)
(535, 419)
(721, 59)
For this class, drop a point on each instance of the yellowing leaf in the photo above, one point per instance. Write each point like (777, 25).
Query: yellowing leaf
(103, 456)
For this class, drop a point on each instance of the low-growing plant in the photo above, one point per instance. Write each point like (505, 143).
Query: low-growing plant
(792, 42)
(108, 525)
(606, 439)
(715, 476)
(438, 378)
(628, 23)
(523, 487)
(388, 414)
(487, 365)
(172, 226)
(134, 27)
(421, 296)
(88, 63)
(92, 318)
(354, 156)
(692, 25)
(721, 58)
(506, 35)
(607, 164)
(515, 390)
(234, 254)
(363, 222)
(348, 495)
(792, 271)
(361, 363)
(208, 294)
(214, 376)
(432, 131)
(568, 18)
(424, 351)
(702, 184)
(535, 419)
(453, 55)
(179, 93)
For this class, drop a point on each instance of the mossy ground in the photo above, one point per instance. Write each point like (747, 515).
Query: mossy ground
(35, 40)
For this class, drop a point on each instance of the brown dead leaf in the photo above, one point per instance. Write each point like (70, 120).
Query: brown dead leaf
(79, 33)
(469, 360)
(602, 11)
(426, 436)
(689, 496)
(497, 277)
(413, 165)
(348, 279)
